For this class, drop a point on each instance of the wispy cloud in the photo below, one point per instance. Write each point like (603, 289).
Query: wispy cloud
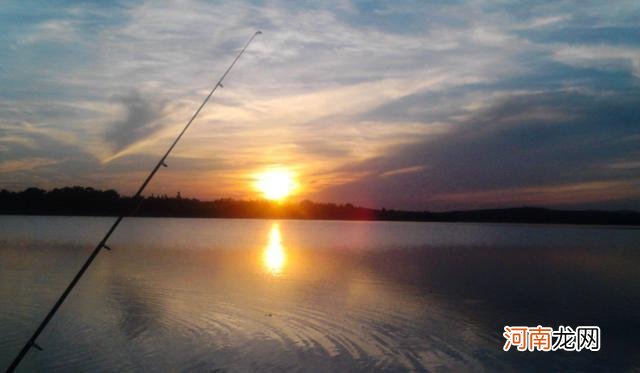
(141, 120)
(25, 164)
(397, 99)
(606, 57)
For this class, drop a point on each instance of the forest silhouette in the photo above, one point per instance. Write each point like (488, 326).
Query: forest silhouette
(87, 201)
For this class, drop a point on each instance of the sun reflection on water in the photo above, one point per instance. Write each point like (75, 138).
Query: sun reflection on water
(274, 256)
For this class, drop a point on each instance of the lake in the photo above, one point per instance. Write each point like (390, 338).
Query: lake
(263, 295)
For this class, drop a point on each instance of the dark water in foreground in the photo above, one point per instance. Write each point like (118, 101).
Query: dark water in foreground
(200, 295)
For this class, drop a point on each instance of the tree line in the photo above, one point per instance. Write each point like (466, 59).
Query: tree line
(87, 201)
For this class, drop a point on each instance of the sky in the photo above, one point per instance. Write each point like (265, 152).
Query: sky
(424, 105)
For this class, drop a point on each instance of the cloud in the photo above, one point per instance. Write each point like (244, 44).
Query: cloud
(522, 146)
(59, 31)
(141, 120)
(404, 170)
(601, 57)
(379, 97)
(598, 193)
(42, 156)
(25, 164)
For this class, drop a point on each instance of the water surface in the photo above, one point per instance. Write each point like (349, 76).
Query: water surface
(206, 294)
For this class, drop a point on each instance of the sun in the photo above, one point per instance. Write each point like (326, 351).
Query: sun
(276, 184)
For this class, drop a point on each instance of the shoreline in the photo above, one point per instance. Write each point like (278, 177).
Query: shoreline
(497, 222)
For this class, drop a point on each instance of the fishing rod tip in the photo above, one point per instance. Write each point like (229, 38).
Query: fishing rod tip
(258, 32)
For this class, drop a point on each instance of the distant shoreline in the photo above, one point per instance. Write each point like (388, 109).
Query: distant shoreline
(611, 226)
(82, 201)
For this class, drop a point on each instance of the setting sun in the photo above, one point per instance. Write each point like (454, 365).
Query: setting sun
(276, 184)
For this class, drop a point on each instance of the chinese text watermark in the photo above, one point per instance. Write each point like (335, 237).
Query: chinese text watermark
(541, 338)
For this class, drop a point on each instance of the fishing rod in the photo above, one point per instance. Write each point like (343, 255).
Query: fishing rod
(103, 242)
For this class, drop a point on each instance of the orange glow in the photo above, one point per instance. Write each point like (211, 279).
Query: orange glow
(274, 256)
(276, 184)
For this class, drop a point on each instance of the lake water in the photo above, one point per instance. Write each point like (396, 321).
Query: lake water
(262, 295)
